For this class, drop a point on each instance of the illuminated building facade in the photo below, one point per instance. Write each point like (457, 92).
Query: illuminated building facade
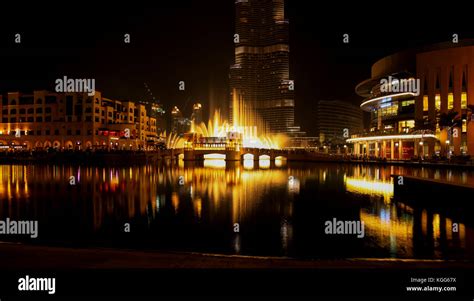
(72, 121)
(196, 116)
(260, 75)
(155, 110)
(435, 119)
(179, 124)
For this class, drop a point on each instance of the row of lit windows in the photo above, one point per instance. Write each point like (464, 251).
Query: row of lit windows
(405, 126)
(39, 101)
(49, 119)
(25, 100)
(28, 119)
(78, 108)
(406, 103)
(450, 101)
(47, 110)
(387, 111)
(40, 119)
(45, 132)
(29, 111)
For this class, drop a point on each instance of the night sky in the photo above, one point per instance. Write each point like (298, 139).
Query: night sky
(193, 41)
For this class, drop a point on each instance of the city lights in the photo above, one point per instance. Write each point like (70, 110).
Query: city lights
(215, 149)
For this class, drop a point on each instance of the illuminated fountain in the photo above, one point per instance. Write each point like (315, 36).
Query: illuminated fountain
(245, 123)
(229, 141)
(172, 140)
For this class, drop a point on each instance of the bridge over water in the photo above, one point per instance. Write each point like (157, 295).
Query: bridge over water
(231, 154)
(233, 150)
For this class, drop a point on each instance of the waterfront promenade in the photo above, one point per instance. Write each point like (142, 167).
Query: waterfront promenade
(145, 157)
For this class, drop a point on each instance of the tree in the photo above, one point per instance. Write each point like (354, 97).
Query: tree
(470, 111)
(450, 120)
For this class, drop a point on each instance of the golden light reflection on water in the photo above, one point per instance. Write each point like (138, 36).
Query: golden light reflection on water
(214, 163)
(424, 222)
(219, 190)
(280, 162)
(371, 187)
(248, 164)
(264, 163)
(393, 229)
(389, 231)
(374, 182)
(214, 156)
(197, 202)
(392, 225)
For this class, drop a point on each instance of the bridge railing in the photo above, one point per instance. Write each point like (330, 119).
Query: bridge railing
(209, 146)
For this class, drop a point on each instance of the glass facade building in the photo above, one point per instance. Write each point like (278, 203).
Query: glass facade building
(260, 75)
(431, 115)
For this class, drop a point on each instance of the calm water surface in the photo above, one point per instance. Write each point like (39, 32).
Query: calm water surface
(280, 209)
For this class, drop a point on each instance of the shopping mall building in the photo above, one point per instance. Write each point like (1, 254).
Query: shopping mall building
(420, 104)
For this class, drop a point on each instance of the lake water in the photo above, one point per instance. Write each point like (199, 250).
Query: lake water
(278, 209)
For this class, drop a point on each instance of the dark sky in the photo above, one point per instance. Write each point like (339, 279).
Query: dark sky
(192, 41)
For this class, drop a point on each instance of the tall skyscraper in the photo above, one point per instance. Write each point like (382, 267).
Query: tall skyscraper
(196, 116)
(260, 76)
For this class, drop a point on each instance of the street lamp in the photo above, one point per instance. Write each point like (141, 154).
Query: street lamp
(448, 151)
(422, 152)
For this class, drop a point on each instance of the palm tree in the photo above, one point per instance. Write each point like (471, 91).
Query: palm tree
(450, 120)
(470, 111)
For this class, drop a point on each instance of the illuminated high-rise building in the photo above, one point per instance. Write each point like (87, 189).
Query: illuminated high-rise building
(196, 117)
(260, 75)
(179, 124)
(158, 112)
(155, 110)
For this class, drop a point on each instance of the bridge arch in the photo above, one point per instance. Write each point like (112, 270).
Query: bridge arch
(248, 156)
